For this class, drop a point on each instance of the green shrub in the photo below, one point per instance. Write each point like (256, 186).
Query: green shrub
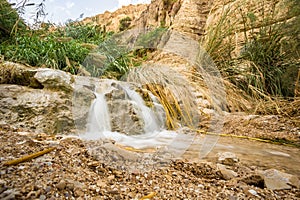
(264, 51)
(109, 57)
(64, 48)
(85, 33)
(124, 23)
(44, 51)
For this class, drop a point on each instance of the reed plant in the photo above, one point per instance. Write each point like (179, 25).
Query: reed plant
(173, 92)
(255, 47)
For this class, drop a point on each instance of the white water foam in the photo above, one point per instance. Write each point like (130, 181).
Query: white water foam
(150, 119)
(98, 119)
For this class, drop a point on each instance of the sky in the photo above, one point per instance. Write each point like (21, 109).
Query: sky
(59, 11)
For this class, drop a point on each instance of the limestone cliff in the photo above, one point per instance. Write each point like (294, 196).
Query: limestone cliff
(196, 18)
(111, 20)
(186, 16)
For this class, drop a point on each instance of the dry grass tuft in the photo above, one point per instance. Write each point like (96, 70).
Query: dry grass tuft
(172, 90)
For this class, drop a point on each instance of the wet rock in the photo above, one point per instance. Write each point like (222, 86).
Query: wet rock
(124, 117)
(227, 158)
(226, 173)
(62, 102)
(277, 180)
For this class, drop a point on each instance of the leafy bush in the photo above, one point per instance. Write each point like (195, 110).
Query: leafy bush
(265, 53)
(109, 58)
(125, 23)
(47, 51)
(63, 48)
(86, 33)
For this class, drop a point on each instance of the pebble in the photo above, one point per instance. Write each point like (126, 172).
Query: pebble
(111, 177)
(277, 180)
(42, 197)
(61, 185)
(78, 192)
(48, 189)
(227, 158)
(101, 183)
(226, 173)
(253, 192)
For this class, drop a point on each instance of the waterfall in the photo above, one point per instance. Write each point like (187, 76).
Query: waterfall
(149, 117)
(153, 135)
(98, 120)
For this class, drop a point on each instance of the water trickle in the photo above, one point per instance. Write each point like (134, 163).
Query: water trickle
(98, 119)
(150, 119)
(159, 111)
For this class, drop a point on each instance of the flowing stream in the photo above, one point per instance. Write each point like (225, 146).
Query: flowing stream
(252, 153)
(154, 135)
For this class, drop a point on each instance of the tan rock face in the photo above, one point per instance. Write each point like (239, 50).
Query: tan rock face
(191, 17)
(197, 18)
(111, 20)
(186, 16)
(159, 13)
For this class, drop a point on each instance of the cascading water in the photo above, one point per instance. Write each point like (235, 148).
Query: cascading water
(159, 111)
(154, 136)
(98, 119)
(151, 123)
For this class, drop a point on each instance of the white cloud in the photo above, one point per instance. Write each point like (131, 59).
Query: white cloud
(70, 4)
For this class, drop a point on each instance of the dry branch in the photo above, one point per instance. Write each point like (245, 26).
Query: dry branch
(28, 157)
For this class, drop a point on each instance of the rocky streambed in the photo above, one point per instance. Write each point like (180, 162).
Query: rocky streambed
(71, 172)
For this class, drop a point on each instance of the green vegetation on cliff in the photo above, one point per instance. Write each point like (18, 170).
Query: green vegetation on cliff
(269, 60)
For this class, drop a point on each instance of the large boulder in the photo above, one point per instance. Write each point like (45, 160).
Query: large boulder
(277, 180)
(53, 101)
(37, 110)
